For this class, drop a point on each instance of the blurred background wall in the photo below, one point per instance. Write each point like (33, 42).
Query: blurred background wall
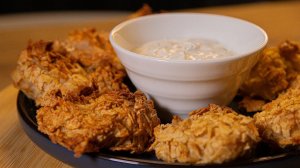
(16, 6)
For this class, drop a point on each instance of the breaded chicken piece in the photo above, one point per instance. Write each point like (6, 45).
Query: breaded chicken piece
(119, 121)
(268, 77)
(275, 70)
(210, 135)
(83, 63)
(66, 69)
(279, 122)
(274, 73)
(90, 47)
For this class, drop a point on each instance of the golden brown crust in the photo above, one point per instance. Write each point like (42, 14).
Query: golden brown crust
(295, 84)
(210, 135)
(279, 122)
(251, 104)
(84, 104)
(47, 70)
(268, 77)
(120, 121)
(291, 52)
(274, 72)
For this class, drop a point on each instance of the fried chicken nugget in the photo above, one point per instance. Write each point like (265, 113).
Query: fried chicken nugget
(275, 70)
(90, 47)
(79, 65)
(279, 122)
(268, 77)
(210, 135)
(119, 121)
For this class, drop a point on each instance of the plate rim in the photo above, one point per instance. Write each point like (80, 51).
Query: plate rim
(23, 115)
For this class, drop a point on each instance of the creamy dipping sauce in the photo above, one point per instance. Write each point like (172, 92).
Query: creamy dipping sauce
(184, 49)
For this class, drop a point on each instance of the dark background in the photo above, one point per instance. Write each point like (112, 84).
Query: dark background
(17, 6)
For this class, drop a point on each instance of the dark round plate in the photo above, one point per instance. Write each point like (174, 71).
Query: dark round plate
(264, 156)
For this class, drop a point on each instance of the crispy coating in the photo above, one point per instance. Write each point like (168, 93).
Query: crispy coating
(80, 65)
(268, 78)
(90, 47)
(251, 105)
(275, 70)
(210, 135)
(119, 121)
(279, 122)
(295, 84)
(290, 50)
(84, 106)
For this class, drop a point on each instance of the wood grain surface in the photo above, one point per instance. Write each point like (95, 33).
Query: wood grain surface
(16, 149)
(281, 20)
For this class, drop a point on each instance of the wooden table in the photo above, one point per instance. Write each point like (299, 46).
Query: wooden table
(281, 20)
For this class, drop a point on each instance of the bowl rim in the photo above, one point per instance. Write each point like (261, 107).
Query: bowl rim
(174, 14)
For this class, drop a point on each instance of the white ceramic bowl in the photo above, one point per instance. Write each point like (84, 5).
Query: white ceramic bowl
(180, 86)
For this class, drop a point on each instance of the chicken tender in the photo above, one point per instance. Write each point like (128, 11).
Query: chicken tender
(83, 104)
(268, 78)
(119, 121)
(91, 48)
(275, 70)
(279, 122)
(78, 66)
(210, 135)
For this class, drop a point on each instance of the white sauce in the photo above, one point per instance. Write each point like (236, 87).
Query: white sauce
(184, 49)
